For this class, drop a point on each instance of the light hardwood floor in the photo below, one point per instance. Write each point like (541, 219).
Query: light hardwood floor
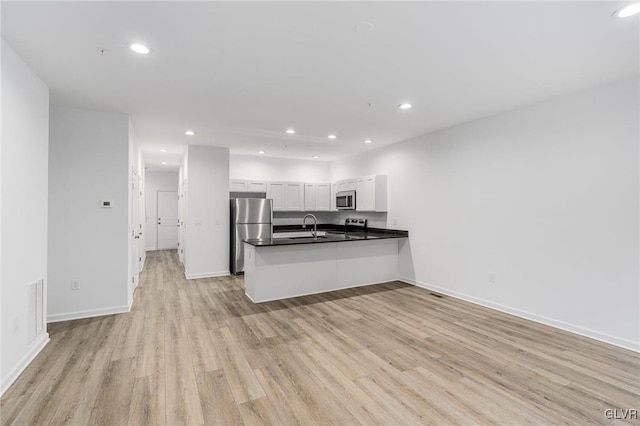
(199, 352)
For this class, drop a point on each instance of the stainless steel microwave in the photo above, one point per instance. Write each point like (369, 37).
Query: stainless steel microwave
(346, 200)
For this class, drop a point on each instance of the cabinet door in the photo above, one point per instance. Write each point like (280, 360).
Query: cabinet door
(323, 197)
(347, 185)
(351, 185)
(365, 194)
(310, 194)
(294, 196)
(275, 191)
(256, 186)
(237, 185)
(334, 189)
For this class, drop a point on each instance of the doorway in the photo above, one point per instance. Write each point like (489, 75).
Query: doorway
(167, 220)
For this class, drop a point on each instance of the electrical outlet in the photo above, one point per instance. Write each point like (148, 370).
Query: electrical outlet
(16, 323)
(492, 277)
(75, 284)
(395, 221)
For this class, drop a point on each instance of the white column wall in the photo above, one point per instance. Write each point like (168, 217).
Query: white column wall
(23, 181)
(207, 217)
(88, 162)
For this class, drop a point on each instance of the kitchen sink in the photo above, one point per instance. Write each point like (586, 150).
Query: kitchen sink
(299, 234)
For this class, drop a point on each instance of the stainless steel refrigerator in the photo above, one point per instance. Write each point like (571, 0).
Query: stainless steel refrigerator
(250, 218)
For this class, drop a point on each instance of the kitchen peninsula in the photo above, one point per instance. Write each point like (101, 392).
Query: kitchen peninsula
(297, 264)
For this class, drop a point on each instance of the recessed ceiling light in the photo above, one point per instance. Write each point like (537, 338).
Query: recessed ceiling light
(332, 136)
(315, 156)
(261, 152)
(189, 133)
(291, 131)
(368, 141)
(163, 150)
(404, 106)
(163, 163)
(630, 10)
(139, 48)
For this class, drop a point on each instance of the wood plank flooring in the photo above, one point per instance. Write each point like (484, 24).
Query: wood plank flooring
(199, 352)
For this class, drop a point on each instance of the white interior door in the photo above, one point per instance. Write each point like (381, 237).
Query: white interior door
(135, 230)
(140, 221)
(167, 219)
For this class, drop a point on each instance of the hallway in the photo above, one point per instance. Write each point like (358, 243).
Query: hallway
(199, 352)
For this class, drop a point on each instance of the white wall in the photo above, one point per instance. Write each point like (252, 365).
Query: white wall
(25, 138)
(282, 169)
(88, 162)
(207, 216)
(156, 181)
(546, 197)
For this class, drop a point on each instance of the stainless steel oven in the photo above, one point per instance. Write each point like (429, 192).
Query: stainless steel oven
(346, 200)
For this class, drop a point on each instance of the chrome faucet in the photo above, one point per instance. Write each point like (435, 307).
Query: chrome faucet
(314, 233)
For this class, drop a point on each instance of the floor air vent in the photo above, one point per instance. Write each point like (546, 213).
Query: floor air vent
(439, 296)
(36, 309)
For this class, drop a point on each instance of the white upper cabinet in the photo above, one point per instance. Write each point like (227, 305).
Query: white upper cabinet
(334, 189)
(275, 191)
(323, 197)
(287, 196)
(310, 193)
(346, 185)
(294, 196)
(371, 193)
(317, 197)
(237, 185)
(256, 186)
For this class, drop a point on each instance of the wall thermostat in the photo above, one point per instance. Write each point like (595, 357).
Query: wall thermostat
(106, 204)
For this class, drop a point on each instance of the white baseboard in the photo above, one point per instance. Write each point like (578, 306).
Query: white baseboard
(207, 275)
(67, 316)
(38, 344)
(572, 328)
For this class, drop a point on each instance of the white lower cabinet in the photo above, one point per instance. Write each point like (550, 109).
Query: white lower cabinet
(274, 272)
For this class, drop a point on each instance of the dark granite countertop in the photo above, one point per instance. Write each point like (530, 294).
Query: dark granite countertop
(332, 234)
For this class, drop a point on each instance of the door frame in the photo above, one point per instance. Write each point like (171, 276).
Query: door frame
(158, 218)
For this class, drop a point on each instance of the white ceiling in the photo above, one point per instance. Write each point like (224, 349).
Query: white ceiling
(240, 73)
